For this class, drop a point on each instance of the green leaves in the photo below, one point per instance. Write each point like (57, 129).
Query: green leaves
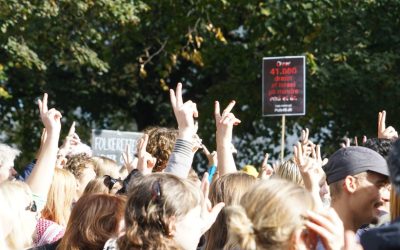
(114, 61)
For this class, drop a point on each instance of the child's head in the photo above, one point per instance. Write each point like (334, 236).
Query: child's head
(160, 145)
(18, 214)
(83, 168)
(163, 212)
(94, 219)
(229, 189)
(288, 170)
(269, 216)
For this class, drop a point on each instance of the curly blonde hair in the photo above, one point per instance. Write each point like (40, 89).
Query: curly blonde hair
(77, 163)
(160, 145)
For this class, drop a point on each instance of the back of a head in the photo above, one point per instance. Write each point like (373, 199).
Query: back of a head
(18, 224)
(60, 197)
(288, 170)
(105, 166)
(77, 163)
(96, 186)
(160, 145)
(269, 213)
(381, 146)
(94, 219)
(153, 201)
(229, 189)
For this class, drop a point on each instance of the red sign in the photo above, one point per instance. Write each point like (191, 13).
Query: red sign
(284, 86)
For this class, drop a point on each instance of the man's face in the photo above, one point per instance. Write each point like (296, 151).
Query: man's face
(368, 197)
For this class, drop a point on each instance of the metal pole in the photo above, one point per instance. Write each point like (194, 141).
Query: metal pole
(283, 138)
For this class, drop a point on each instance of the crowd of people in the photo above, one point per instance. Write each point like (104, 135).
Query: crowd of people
(67, 198)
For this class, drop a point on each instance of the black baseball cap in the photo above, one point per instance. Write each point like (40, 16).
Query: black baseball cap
(352, 161)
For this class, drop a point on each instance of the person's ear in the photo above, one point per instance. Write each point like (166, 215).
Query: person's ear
(350, 184)
(171, 226)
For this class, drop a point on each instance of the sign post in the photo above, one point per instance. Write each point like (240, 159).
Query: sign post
(284, 89)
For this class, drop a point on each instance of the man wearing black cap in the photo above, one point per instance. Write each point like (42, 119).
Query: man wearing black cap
(356, 177)
(387, 237)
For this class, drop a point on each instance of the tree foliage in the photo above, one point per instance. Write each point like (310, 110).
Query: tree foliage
(109, 64)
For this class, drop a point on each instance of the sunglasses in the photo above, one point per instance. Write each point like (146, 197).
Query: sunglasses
(110, 182)
(31, 207)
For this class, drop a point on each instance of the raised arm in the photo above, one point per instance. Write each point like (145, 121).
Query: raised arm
(224, 123)
(42, 174)
(383, 131)
(180, 161)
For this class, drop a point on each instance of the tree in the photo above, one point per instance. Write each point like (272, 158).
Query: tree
(109, 64)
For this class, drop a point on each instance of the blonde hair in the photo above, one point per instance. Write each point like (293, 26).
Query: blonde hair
(229, 189)
(105, 166)
(60, 197)
(7, 154)
(96, 186)
(288, 170)
(153, 201)
(15, 197)
(268, 214)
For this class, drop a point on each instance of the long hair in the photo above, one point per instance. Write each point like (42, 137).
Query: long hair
(94, 219)
(229, 189)
(60, 197)
(17, 221)
(153, 201)
(268, 215)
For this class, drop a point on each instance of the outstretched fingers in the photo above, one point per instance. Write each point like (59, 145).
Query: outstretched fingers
(217, 112)
(228, 108)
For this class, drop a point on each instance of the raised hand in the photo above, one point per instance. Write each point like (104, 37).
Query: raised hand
(266, 170)
(184, 113)
(208, 212)
(310, 171)
(224, 123)
(383, 131)
(71, 140)
(146, 161)
(346, 143)
(51, 118)
(42, 174)
(211, 157)
(307, 144)
(129, 162)
(197, 143)
(328, 226)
